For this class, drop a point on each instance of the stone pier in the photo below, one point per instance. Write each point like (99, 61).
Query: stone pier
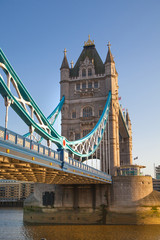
(129, 200)
(67, 204)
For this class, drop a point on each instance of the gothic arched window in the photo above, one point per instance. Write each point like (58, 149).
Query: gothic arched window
(89, 71)
(83, 72)
(87, 112)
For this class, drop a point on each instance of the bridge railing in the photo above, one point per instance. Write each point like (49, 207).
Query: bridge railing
(26, 143)
(22, 142)
(85, 167)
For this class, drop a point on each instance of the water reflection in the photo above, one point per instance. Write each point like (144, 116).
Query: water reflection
(12, 228)
(95, 232)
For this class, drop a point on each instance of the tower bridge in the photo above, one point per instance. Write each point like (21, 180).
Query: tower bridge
(94, 126)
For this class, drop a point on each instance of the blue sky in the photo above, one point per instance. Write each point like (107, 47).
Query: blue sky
(34, 33)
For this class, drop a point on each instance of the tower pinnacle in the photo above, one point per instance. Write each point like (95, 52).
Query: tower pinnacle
(109, 58)
(65, 51)
(72, 64)
(109, 45)
(65, 62)
(89, 42)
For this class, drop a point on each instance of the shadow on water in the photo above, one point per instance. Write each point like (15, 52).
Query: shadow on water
(13, 228)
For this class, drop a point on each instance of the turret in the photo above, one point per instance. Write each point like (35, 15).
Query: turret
(109, 63)
(64, 68)
(112, 85)
(128, 121)
(64, 77)
(111, 73)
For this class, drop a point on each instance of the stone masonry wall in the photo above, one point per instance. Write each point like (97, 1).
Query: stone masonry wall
(128, 189)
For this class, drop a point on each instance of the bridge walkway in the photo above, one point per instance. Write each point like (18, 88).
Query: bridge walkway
(25, 160)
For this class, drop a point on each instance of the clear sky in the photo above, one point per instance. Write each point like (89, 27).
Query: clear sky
(34, 33)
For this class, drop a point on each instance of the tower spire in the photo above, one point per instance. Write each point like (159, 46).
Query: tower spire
(65, 52)
(65, 62)
(89, 42)
(109, 58)
(109, 45)
(72, 64)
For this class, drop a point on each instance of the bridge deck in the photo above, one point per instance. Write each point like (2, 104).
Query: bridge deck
(25, 160)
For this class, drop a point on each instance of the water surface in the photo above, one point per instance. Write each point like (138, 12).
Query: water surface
(13, 228)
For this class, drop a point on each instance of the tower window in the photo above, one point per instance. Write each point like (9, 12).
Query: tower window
(84, 85)
(83, 72)
(96, 84)
(85, 132)
(90, 85)
(78, 86)
(2, 192)
(74, 114)
(89, 72)
(77, 136)
(87, 112)
(100, 112)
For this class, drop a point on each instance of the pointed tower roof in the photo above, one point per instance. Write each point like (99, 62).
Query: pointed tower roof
(65, 62)
(89, 51)
(127, 115)
(109, 58)
(116, 71)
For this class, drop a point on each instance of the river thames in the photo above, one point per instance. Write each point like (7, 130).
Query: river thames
(13, 228)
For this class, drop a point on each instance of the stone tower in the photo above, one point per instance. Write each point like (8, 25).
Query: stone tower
(86, 86)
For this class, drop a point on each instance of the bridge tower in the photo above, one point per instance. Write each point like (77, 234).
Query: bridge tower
(86, 86)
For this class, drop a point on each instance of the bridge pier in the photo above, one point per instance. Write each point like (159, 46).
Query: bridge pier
(67, 204)
(129, 200)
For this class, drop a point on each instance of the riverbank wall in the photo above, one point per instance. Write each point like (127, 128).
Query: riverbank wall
(11, 204)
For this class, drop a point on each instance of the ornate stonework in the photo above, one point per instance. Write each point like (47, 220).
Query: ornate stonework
(86, 85)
